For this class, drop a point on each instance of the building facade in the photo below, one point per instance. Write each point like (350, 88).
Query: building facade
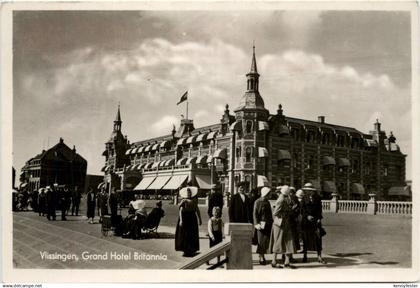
(60, 164)
(261, 148)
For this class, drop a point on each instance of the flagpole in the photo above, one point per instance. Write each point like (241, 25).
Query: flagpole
(187, 108)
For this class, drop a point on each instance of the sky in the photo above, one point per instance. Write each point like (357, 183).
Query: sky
(72, 68)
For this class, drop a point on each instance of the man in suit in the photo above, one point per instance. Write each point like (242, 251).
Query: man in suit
(240, 210)
(215, 200)
(75, 201)
(51, 202)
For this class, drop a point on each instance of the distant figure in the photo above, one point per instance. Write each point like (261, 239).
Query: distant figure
(102, 204)
(41, 202)
(263, 221)
(186, 234)
(64, 199)
(90, 201)
(240, 210)
(215, 228)
(215, 200)
(311, 223)
(75, 201)
(113, 203)
(51, 202)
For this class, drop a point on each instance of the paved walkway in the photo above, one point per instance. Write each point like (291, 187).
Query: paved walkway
(352, 240)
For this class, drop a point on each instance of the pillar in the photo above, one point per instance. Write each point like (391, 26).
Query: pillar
(240, 253)
(371, 208)
(334, 203)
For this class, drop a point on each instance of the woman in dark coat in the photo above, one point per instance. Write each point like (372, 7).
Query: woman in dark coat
(263, 222)
(186, 234)
(91, 201)
(311, 223)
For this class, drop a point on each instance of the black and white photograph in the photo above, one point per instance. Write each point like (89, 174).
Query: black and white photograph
(216, 139)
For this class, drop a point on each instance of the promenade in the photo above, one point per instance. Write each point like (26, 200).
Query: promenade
(352, 241)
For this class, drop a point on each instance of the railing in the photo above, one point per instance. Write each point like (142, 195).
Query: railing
(326, 205)
(393, 207)
(214, 252)
(366, 207)
(350, 206)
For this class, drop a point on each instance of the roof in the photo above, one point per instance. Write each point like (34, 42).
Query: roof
(323, 125)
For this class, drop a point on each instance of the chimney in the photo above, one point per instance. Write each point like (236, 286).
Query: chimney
(74, 148)
(61, 140)
(321, 119)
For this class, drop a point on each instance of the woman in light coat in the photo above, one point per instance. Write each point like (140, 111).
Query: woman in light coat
(282, 241)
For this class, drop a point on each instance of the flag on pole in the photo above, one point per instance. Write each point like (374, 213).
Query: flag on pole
(183, 98)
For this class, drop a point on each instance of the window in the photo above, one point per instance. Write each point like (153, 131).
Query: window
(248, 127)
(295, 160)
(385, 170)
(355, 166)
(248, 153)
(311, 162)
(295, 134)
(326, 139)
(238, 152)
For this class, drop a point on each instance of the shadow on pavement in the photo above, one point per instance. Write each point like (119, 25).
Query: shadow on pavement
(351, 254)
(384, 262)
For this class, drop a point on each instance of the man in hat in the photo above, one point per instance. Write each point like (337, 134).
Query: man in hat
(215, 200)
(75, 201)
(51, 202)
(240, 210)
(311, 222)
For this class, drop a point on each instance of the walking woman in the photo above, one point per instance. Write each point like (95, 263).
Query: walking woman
(186, 234)
(91, 201)
(281, 241)
(263, 222)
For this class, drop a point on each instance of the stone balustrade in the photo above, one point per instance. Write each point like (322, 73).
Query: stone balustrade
(366, 207)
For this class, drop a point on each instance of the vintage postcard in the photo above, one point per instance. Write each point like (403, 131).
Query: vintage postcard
(210, 141)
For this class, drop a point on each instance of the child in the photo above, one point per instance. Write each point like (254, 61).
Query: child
(215, 228)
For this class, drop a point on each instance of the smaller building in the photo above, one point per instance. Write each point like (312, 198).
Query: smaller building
(59, 164)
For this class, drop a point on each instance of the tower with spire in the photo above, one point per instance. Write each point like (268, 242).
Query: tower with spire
(116, 147)
(251, 139)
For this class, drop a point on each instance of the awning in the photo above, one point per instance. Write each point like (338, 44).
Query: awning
(148, 165)
(181, 141)
(327, 160)
(220, 153)
(140, 149)
(134, 167)
(155, 164)
(145, 183)
(203, 181)
(201, 159)
(262, 152)
(357, 188)
(102, 184)
(201, 137)
(170, 162)
(371, 143)
(236, 126)
(399, 191)
(209, 159)
(23, 185)
(107, 168)
(155, 147)
(283, 155)
(343, 162)
(175, 182)
(181, 161)
(141, 166)
(162, 163)
(127, 152)
(262, 125)
(103, 168)
(191, 139)
(127, 168)
(159, 182)
(163, 144)
(262, 181)
(283, 130)
(148, 148)
(135, 150)
(329, 186)
(211, 135)
(191, 160)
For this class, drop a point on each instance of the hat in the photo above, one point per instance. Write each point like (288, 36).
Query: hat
(300, 194)
(309, 186)
(48, 188)
(292, 188)
(265, 191)
(285, 190)
(184, 193)
(159, 203)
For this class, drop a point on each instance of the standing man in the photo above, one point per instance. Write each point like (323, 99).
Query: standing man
(64, 197)
(75, 201)
(215, 200)
(51, 203)
(240, 210)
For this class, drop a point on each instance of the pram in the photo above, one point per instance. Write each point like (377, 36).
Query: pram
(151, 224)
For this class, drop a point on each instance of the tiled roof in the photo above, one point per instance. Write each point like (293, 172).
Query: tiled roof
(326, 125)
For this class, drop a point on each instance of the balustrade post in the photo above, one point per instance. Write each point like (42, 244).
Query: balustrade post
(334, 203)
(240, 253)
(371, 208)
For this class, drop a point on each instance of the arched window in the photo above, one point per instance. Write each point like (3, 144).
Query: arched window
(248, 153)
(248, 127)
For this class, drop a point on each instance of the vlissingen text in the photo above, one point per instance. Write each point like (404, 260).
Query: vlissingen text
(109, 255)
